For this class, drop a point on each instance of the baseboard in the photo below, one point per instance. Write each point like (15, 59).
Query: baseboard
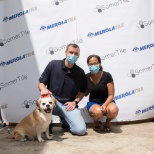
(91, 124)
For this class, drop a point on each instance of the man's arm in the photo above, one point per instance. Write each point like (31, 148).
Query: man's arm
(71, 105)
(44, 91)
(79, 96)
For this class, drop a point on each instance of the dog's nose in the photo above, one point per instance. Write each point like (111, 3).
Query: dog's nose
(48, 105)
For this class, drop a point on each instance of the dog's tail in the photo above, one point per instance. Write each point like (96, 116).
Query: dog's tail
(11, 135)
(8, 130)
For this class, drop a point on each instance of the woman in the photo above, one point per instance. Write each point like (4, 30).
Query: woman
(100, 86)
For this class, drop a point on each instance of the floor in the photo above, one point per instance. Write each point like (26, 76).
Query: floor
(135, 138)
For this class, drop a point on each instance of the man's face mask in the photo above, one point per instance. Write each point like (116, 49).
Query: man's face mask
(72, 59)
(94, 69)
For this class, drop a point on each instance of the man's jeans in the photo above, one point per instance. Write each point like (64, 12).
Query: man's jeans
(73, 118)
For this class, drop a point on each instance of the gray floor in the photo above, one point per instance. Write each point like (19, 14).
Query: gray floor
(124, 139)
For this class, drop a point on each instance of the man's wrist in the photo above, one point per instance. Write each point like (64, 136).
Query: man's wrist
(76, 102)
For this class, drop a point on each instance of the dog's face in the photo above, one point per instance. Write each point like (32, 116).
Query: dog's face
(46, 105)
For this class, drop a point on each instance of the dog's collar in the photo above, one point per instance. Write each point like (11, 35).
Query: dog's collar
(45, 96)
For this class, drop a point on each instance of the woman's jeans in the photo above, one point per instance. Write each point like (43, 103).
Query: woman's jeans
(73, 118)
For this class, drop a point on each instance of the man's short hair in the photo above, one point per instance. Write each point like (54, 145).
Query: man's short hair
(73, 45)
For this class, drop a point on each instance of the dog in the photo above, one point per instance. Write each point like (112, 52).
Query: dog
(33, 125)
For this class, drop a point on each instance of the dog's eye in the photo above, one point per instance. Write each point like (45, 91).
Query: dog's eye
(50, 102)
(43, 103)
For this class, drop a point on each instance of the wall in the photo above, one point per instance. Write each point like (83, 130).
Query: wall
(34, 32)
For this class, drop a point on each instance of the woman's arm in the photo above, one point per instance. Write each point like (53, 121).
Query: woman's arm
(110, 87)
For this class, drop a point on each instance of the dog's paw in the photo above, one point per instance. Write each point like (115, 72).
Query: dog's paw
(40, 140)
(50, 137)
(23, 140)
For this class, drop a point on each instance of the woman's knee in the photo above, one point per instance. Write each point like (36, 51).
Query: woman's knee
(113, 111)
(96, 112)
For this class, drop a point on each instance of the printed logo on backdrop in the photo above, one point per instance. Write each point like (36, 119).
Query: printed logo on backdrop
(13, 38)
(1, 0)
(16, 59)
(28, 103)
(53, 50)
(18, 15)
(12, 82)
(145, 110)
(1, 43)
(134, 72)
(104, 31)
(3, 106)
(57, 24)
(128, 93)
(145, 47)
(57, 2)
(100, 8)
(117, 52)
(143, 24)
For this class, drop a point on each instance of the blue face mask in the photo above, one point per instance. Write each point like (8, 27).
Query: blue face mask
(71, 59)
(94, 69)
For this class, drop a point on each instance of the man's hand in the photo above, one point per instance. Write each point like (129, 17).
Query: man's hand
(70, 106)
(45, 92)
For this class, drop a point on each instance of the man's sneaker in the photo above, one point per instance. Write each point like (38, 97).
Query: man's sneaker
(65, 126)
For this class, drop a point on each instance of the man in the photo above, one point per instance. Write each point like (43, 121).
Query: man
(66, 81)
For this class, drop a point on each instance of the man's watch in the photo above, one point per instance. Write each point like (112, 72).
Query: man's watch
(76, 102)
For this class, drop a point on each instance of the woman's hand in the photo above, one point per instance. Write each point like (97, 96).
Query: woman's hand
(103, 108)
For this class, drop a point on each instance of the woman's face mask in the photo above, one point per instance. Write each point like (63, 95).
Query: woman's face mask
(94, 69)
(72, 59)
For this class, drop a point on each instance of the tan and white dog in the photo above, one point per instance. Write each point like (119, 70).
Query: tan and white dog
(33, 125)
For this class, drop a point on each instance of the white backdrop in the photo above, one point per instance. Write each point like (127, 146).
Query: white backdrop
(34, 32)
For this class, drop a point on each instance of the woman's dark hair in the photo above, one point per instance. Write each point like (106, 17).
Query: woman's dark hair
(99, 60)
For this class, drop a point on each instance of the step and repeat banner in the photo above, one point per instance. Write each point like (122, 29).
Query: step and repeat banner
(34, 32)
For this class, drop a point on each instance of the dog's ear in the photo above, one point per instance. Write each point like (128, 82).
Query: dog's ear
(38, 102)
(55, 101)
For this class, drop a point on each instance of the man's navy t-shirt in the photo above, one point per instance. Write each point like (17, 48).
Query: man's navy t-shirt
(64, 83)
